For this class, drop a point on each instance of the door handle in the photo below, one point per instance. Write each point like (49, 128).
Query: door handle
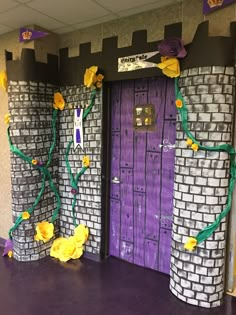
(115, 180)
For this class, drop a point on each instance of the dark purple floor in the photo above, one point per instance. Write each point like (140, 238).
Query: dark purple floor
(84, 287)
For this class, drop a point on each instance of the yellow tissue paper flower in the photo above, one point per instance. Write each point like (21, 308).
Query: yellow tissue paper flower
(170, 67)
(10, 254)
(189, 141)
(190, 244)
(66, 249)
(100, 77)
(179, 103)
(86, 161)
(25, 215)
(54, 252)
(34, 162)
(195, 147)
(7, 119)
(59, 102)
(99, 85)
(3, 80)
(81, 234)
(45, 231)
(90, 76)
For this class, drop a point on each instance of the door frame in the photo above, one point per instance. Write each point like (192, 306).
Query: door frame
(105, 168)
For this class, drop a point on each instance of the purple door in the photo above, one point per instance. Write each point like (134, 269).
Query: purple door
(142, 173)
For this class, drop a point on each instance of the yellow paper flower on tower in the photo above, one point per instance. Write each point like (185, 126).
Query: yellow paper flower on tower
(44, 231)
(56, 245)
(190, 244)
(59, 102)
(81, 234)
(3, 80)
(10, 254)
(86, 161)
(34, 162)
(189, 141)
(66, 249)
(90, 77)
(99, 85)
(25, 215)
(170, 67)
(179, 103)
(100, 77)
(194, 147)
(7, 119)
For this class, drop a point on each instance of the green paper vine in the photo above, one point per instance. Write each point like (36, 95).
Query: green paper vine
(208, 230)
(43, 170)
(74, 180)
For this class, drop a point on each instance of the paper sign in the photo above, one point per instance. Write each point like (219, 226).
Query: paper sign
(136, 62)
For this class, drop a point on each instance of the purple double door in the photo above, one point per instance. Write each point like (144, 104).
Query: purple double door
(142, 174)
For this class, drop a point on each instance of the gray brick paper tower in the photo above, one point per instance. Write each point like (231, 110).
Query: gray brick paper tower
(201, 186)
(30, 96)
(30, 106)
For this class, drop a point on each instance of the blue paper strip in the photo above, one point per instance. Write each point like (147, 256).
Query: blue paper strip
(78, 139)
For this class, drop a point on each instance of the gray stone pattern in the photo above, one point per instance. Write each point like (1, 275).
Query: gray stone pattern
(88, 205)
(30, 106)
(201, 185)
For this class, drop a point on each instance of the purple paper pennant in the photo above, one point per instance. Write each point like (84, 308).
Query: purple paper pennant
(212, 5)
(27, 34)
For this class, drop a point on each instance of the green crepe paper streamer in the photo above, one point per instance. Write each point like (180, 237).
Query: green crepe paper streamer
(53, 188)
(74, 181)
(82, 171)
(88, 109)
(42, 169)
(73, 211)
(30, 210)
(209, 230)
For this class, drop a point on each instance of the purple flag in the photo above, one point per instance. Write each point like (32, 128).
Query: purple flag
(78, 128)
(212, 5)
(27, 34)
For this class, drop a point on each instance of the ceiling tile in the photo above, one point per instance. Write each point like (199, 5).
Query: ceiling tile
(122, 5)
(103, 19)
(146, 7)
(23, 15)
(70, 11)
(5, 29)
(6, 5)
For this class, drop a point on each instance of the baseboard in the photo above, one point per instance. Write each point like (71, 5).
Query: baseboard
(2, 242)
(93, 257)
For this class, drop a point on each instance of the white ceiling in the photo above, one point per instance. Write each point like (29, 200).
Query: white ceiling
(62, 16)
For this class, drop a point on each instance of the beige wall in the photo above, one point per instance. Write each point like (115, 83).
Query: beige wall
(189, 12)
